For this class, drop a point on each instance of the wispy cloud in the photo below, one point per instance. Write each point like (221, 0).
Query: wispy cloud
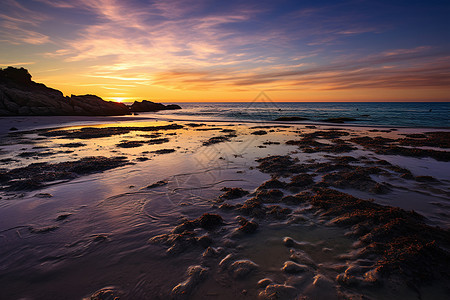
(19, 24)
(367, 72)
(129, 36)
(15, 63)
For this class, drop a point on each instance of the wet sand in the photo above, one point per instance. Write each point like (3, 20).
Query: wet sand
(187, 210)
(34, 122)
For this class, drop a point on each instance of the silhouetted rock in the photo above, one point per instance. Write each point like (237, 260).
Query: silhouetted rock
(20, 96)
(149, 106)
(94, 105)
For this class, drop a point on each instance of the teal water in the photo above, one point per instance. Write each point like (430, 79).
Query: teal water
(397, 114)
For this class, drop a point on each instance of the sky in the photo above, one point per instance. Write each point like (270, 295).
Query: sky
(232, 50)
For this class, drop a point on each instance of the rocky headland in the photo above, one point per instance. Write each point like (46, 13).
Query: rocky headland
(21, 96)
(148, 106)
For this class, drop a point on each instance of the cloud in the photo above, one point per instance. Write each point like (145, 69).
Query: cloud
(127, 34)
(14, 64)
(366, 72)
(19, 25)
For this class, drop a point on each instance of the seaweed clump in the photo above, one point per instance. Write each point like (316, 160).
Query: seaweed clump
(387, 146)
(439, 139)
(276, 164)
(400, 241)
(357, 178)
(183, 236)
(309, 144)
(232, 193)
(95, 132)
(216, 140)
(35, 176)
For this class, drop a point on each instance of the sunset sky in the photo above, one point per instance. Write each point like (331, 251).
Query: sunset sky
(232, 50)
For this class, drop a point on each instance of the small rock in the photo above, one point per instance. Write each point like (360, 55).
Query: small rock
(42, 229)
(212, 252)
(210, 221)
(241, 268)
(279, 291)
(226, 261)
(247, 226)
(372, 276)
(105, 294)
(272, 184)
(43, 195)
(292, 267)
(321, 288)
(63, 217)
(233, 193)
(263, 283)
(289, 242)
(157, 184)
(300, 256)
(346, 279)
(195, 275)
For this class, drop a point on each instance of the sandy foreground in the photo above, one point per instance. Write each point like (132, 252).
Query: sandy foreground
(189, 210)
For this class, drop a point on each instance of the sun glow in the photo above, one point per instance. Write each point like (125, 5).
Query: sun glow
(119, 99)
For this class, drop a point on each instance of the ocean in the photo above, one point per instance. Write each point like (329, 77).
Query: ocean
(396, 114)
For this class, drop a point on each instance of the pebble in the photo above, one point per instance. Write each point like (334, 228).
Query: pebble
(195, 275)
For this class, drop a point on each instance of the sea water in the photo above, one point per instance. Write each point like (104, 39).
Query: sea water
(396, 114)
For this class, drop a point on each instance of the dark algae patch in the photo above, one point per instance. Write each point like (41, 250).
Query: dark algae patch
(157, 141)
(309, 144)
(392, 243)
(356, 178)
(96, 132)
(73, 145)
(134, 144)
(37, 175)
(130, 144)
(259, 132)
(430, 139)
(216, 140)
(184, 235)
(163, 151)
(397, 241)
(233, 193)
(381, 145)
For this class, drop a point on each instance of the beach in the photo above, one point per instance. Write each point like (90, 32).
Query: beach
(142, 208)
(295, 150)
